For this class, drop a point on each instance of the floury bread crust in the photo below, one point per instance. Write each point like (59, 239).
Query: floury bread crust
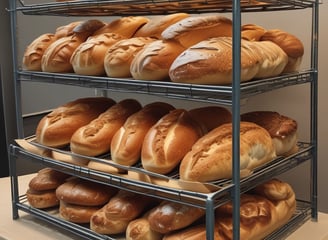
(211, 156)
(57, 127)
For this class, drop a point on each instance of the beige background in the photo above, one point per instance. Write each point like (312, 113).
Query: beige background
(292, 101)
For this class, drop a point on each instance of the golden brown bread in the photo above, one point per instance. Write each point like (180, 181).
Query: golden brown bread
(166, 143)
(42, 199)
(154, 60)
(252, 32)
(35, 50)
(47, 179)
(84, 192)
(171, 216)
(210, 61)
(124, 26)
(66, 30)
(194, 29)
(156, 25)
(211, 156)
(95, 138)
(292, 46)
(56, 128)
(127, 142)
(88, 57)
(119, 56)
(262, 211)
(282, 129)
(76, 213)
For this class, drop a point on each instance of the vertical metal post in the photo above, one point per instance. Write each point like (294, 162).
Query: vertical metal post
(236, 55)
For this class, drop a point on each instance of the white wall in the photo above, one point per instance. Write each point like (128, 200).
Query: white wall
(292, 101)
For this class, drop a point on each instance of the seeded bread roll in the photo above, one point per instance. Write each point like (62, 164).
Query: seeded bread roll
(35, 50)
(154, 60)
(88, 57)
(282, 129)
(119, 56)
(127, 142)
(95, 138)
(57, 127)
(167, 142)
(211, 156)
(194, 29)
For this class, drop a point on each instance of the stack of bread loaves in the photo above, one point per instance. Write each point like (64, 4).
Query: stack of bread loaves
(80, 198)
(42, 188)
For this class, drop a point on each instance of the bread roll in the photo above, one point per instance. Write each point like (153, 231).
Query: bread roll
(252, 32)
(85, 193)
(42, 199)
(170, 216)
(76, 213)
(95, 138)
(88, 27)
(282, 129)
(47, 179)
(210, 62)
(211, 117)
(157, 24)
(88, 57)
(66, 30)
(197, 232)
(166, 143)
(292, 46)
(119, 56)
(127, 142)
(154, 60)
(125, 26)
(211, 156)
(56, 128)
(35, 50)
(194, 29)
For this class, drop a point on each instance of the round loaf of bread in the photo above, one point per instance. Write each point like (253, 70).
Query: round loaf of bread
(154, 60)
(194, 29)
(88, 57)
(124, 26)
(84, 193)
(157, 24)
(211, 156)
(282, 129)
(292, 46)
(119, 56)
(139, 229)
(127, 142)
(66, 30)
(167, 142)
(57, 127)
(47, 179)
(42, 199)
(76, 213)
(95, 138)
(170, 216)
(252, 32)
(35, 50)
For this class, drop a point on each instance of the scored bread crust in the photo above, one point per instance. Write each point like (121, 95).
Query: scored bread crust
(252, 32)
(127, 142)
(166, 143)
(211, 156)
(56, 128)
(66, 30)
(95, 138)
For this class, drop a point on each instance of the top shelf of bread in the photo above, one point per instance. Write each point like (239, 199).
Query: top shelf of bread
(151, 7)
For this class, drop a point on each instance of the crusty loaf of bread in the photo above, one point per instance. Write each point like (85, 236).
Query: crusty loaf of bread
(42, 199)
(67, 29)
(127, 142)
(57, 127)
(47, 179)
(95, 138)
(211, 156)
(194, 29)
(282, 129)
(119, 56)
(166, 143)
(35, 50)
(88, 57)
(252, 32)
(171, 216)
(154, 60)
(262, 211)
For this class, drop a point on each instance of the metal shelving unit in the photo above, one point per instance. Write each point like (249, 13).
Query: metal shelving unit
(220, 191)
